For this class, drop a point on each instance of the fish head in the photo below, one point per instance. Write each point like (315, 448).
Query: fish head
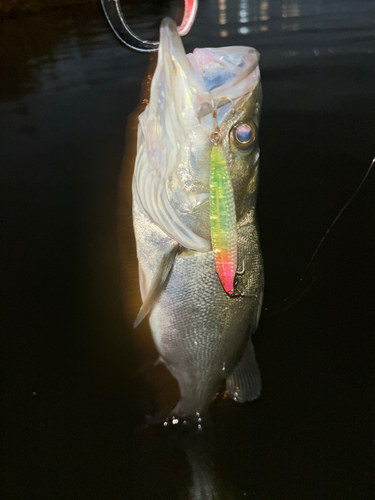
(190, 96)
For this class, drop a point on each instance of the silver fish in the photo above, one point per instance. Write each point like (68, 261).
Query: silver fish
(202, 334)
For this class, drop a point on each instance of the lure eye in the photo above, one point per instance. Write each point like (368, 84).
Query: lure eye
(242, 136)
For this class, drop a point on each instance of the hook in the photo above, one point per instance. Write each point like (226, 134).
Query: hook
(216, 137)
(116, 20)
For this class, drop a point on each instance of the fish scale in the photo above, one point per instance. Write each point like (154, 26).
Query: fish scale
(195, 353)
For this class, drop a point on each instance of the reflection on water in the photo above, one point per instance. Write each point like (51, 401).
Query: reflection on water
(64, 59)
(264, 10)
(250, 17)
(291, 9)
(194, 459)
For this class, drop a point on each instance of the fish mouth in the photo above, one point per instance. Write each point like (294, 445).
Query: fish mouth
(218, 72)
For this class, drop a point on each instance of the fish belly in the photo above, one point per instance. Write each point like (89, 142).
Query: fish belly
(200, 331)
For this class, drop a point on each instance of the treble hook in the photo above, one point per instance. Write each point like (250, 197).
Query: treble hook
(116, 20)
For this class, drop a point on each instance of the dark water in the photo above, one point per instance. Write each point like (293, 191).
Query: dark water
(73, 399)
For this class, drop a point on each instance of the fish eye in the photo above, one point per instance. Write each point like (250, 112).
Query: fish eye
(242, 136)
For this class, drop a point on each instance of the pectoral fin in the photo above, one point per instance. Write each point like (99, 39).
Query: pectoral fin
(158, 283)
(244, 383)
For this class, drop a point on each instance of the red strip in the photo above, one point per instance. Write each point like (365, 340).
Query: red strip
(191, 7)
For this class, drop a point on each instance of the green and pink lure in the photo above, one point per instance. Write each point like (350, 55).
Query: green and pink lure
(222, 213)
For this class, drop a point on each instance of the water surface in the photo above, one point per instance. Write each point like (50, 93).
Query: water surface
(74, 396)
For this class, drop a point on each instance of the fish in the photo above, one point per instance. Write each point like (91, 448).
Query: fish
(194, 192)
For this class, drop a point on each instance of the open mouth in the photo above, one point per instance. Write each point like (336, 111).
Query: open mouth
(230, 70)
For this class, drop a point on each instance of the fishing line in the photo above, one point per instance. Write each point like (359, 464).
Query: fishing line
(285, 301)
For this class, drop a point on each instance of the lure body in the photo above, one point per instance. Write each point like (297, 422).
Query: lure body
(223, 219)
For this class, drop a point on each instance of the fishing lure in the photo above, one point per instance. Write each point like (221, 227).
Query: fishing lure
(222, 212)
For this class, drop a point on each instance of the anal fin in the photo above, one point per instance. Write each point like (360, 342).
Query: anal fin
(244, 383)
(158, 283)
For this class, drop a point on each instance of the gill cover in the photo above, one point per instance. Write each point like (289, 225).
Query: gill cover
(162, 133)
